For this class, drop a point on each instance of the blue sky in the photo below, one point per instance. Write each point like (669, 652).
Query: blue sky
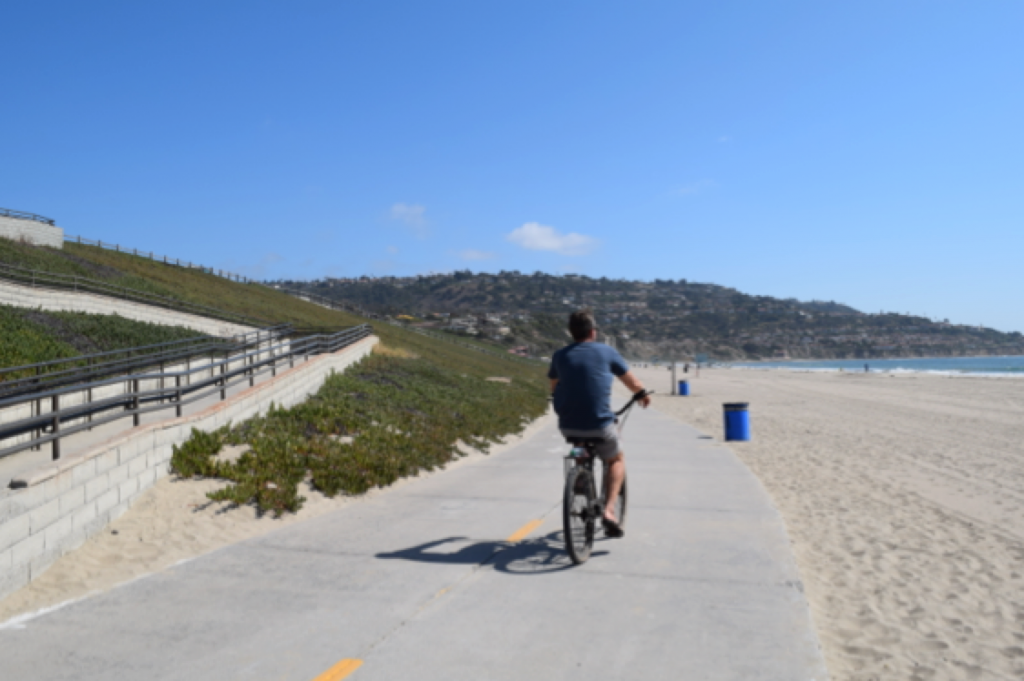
(870, 152)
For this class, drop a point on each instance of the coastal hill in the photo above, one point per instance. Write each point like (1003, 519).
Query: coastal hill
(661, 319)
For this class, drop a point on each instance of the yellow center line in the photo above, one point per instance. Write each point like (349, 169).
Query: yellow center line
(525, 530)
(344, 668)
(340, 670)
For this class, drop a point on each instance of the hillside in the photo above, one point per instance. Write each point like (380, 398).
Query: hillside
(662, 319)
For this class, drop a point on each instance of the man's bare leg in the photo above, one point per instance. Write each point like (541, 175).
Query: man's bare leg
(615, 469)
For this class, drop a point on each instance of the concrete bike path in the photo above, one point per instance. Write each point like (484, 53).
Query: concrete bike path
(451, 577)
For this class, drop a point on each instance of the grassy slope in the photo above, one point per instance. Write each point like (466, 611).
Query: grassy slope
(31, 336)
(252, 300)
(67, 262)
(405, 407)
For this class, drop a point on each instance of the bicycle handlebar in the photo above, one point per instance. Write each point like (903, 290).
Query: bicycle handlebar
(633, 400)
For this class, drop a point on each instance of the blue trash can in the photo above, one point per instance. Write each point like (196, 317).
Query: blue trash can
(737, 422)
(684, 387)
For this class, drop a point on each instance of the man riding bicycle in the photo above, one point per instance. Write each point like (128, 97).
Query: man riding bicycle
(581, 384)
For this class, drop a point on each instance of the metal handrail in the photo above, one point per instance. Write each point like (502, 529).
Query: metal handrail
(280, 329)
(22, 215)
(127, 360)
(249, 365)
(53, 280)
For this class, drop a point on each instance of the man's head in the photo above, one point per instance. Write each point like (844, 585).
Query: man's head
(582, 325)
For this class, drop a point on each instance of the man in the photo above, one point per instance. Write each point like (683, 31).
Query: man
(581, 383)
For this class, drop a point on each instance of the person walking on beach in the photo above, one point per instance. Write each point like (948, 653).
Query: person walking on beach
(581, 376)
(865, 367)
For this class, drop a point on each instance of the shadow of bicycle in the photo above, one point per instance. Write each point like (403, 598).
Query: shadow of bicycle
(534, 556)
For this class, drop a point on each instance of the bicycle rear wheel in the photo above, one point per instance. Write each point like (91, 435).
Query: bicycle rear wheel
(577, 517)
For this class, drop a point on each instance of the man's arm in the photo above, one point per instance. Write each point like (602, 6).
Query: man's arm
(634, 386)
(554, 382)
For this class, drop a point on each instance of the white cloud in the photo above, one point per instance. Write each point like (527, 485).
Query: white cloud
(537, 237)
(392, 250)
(412, 215)
(473, 254)
(725, 139)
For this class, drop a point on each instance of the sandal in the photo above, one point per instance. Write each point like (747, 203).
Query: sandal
(612, 528)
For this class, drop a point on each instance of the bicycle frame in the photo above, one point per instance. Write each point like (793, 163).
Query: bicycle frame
(588, 444)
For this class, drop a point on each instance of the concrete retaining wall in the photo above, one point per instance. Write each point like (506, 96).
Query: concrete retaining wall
(76, 301)
(67, 502)
(38, 233)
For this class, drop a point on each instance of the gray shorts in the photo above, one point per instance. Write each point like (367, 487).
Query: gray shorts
(608, 449)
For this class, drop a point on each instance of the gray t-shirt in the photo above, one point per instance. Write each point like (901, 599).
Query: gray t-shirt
(585, 373)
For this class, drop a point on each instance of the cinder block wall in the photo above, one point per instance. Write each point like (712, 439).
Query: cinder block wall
(77, 301)
(38, 233)
(67, 502)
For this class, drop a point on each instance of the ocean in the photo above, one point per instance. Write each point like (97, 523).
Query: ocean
(978, 366)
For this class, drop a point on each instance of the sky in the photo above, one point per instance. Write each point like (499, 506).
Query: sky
(870, 153)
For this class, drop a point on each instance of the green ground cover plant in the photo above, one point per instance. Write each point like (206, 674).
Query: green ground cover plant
(391, 416)
(32, 336)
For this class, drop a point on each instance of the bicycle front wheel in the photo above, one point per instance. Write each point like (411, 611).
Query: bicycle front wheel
(577, 514)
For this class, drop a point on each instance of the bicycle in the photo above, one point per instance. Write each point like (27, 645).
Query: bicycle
(582, 507)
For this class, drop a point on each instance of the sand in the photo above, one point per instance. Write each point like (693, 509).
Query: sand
(903, 497)
(173, 522)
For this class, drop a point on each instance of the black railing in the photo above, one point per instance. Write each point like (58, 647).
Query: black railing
(236, 365)
(31, 378)
(22, 215)
(66, 282)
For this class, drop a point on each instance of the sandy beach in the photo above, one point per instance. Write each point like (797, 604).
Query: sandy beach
(903, 497)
